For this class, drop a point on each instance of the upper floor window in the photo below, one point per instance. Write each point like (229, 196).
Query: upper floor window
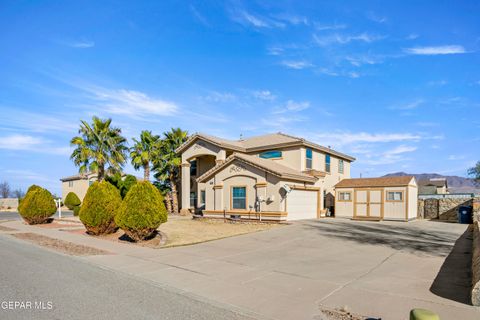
(193, 167)
(70, 184)
(327, 163)
(309, 158)
(340, 166)
(272, 154)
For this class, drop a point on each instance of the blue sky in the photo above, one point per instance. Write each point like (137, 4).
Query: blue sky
(394, 83)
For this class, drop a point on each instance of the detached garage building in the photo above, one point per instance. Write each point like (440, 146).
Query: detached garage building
(388, 198)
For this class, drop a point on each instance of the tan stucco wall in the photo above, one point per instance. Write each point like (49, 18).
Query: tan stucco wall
(241, 174)
(79, 186)
(200, 148)
(291, 157)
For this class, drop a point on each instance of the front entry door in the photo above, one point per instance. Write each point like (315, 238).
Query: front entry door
(368, 203)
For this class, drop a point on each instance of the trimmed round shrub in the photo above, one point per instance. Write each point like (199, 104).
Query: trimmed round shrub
(72, 201)
(76, 211)
(100, 205)
(37, 206)
(33, 187)
(142, 211)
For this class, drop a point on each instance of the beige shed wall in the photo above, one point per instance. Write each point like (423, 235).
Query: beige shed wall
(394, 210)
(412, 202)
(344, 209)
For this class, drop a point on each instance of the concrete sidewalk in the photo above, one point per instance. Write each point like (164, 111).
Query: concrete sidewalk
(375, 269)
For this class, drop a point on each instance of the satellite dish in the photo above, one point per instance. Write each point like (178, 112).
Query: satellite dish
(286, 188)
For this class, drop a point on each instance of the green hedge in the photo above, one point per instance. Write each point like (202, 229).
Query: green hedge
(99, 207)
(72, 200)
(76, 210)
(142, 211)
(37, 206)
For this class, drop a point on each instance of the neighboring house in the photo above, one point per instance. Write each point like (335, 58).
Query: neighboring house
(386, 198)
(433, 186)
(77, 184)
(272, 177)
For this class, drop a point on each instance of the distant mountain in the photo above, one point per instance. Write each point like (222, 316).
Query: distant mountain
(456, 184)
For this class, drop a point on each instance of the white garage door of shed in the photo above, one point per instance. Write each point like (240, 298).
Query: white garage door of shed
(302, 204)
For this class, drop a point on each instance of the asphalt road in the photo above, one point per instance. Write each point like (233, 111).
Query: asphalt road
(6, 215)
(68, 288)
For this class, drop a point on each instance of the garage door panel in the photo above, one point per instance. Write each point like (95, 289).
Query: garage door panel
(302, 204)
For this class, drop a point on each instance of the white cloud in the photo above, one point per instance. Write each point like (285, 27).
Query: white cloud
(82, 44)
(35, 122)
(264, 95)
(400, 149)
(293, 19)
(327, 72)
(199, 16)
(129, 102)
(216, 96)
(275, 51)
(360, 60)
(247, 19)
(438, 83)
(337, 38)
(292, 106)
(322, 27)
(346, 138)
(409, 106)
(376, 18)
(298, 65)
(391, 156)
(438, 50)
(412, 36)
(455, 157)
(20, 142)
(354, 75)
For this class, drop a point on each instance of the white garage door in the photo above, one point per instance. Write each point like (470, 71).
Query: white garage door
(302, 204)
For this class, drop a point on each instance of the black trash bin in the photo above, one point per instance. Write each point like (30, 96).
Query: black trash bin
(465, 214)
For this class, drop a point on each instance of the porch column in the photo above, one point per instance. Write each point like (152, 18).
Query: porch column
(221, 156)
(185, 188)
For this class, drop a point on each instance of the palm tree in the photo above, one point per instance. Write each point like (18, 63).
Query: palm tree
(144, 151)
(99, 145)
(167, 165)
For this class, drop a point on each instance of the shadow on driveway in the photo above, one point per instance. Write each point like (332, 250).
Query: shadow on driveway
(398, 236)
(454, 279)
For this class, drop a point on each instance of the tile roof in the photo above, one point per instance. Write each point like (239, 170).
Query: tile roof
(262, 142)
(375, 182)
(267, 165)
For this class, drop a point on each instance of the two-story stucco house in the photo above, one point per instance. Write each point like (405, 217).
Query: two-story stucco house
(269, 177)
(78, 184)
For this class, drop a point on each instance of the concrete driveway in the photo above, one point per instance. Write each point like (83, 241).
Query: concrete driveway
(376, 269)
